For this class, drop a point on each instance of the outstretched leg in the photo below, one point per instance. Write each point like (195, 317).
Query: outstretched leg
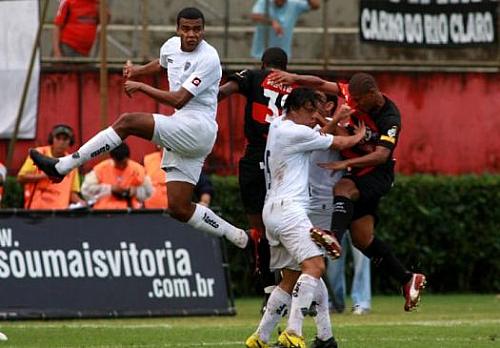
(138, 124)
(200, 217)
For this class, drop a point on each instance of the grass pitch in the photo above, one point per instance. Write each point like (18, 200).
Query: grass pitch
(442, 321)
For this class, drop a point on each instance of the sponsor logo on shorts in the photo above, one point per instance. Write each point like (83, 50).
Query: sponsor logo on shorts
(209, 221)
(196, 81)
(76, 155)
(103, 149)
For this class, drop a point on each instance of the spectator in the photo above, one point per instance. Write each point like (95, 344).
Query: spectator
(204, 190)
(152, 164)
(39, 191)
(361, 287)
(275, 24)
(3, 177)
(75, 28)
(118, 182)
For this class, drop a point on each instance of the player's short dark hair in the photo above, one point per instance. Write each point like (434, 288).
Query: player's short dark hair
(120, 152)
(190, 13)
(362, 83)
(275, 57)
(299, 97)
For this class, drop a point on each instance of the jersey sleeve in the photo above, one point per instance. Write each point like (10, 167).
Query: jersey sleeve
(259, 7)
(207, 73)
(165, 52)
(301, 6)
(307, 139)
(389, 128)
(62, 13)
(244, 81)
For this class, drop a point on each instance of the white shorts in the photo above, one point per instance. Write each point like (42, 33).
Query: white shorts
(187, 137)
(287, 229)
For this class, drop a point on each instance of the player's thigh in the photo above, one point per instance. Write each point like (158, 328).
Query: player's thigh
(181, 168)
(295, 237)
(252, 186)
(362, 231)
(140, 124)
(185, 134)
(374, 185)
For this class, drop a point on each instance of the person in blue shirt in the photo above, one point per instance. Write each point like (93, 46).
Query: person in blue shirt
(277, 23)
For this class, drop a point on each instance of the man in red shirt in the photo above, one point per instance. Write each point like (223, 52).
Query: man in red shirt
(75, 27)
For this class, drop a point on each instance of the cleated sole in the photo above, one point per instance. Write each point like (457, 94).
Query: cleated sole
(326, 241)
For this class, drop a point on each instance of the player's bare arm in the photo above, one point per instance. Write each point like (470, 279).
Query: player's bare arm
(379, 156)
(311, 81)
(175, 99)
(131, 71)
(341, 114)
(341, 142)
(227, 89)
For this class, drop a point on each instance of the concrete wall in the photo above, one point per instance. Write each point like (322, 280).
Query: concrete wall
(341, 14)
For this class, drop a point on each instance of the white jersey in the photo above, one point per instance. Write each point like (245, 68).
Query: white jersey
(198, 71)
(288, 149)
(322, 181)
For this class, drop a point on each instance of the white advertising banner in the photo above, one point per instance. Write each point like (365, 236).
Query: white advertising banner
(18, 27)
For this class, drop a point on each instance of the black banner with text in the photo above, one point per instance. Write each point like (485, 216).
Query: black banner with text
(107, 265)
(430, 25)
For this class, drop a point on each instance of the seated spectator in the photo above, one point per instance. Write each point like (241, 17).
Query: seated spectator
(39, 191)
(204, 191)
(118, 182)
(3, 177)
(152, 164)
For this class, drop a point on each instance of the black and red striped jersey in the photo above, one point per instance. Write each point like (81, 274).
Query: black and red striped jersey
(382, 129)
(265, 100)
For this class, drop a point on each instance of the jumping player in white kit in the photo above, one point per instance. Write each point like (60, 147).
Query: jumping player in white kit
(290, 142)
(187, 136)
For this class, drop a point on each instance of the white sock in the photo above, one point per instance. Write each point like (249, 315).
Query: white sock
(322, 319)
(302, 297)
(206, 220)
(277, 307)
(104, 141)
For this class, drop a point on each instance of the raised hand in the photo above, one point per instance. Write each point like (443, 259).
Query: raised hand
(131, 87)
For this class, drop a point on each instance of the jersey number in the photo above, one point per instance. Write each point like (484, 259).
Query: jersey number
(273, 97)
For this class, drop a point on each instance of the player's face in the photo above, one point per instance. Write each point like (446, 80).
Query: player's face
(308, 115)
(363, 102)
(191, 33)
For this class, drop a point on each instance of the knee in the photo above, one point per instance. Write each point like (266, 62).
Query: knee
(179, 210)
(361, 240)
(314, 267)
(346, 188)
(124, 123)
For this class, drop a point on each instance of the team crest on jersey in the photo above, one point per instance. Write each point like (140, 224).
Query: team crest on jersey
(196, 81)
(392, 132)
(187, 65)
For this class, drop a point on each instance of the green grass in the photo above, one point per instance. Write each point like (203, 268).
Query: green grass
(442, 321)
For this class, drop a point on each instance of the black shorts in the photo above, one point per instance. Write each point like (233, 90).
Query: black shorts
(252, 183)
(372, 187)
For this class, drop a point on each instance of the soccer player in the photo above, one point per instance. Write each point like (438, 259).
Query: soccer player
(290, 141)
(264, 103)
(187, 136)
(370, 173)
